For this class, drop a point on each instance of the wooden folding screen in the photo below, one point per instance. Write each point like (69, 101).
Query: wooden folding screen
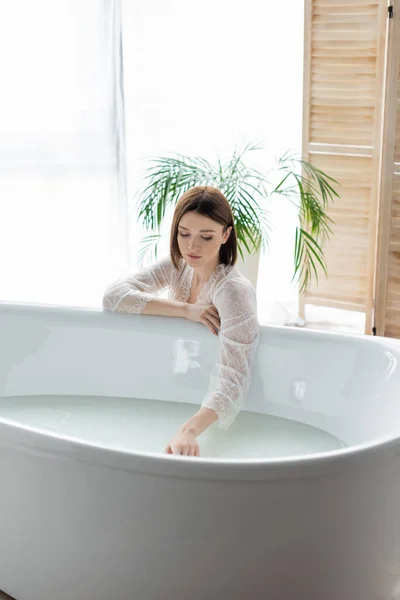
(344, 60)
(387, 289)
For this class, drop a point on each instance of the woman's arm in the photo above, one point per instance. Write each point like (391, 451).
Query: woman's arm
(136, 294)
(133, 293)
(238, 337)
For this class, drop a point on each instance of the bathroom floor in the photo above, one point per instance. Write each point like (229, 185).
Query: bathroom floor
(319, 318)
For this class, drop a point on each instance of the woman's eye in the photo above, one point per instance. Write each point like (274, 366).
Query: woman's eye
(185, 235)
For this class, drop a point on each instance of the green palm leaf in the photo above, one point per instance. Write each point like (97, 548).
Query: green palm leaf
(149, 249)
(248, 192)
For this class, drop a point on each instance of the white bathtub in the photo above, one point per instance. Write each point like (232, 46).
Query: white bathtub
(84, 522)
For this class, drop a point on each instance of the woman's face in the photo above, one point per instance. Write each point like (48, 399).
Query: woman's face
(200, 238)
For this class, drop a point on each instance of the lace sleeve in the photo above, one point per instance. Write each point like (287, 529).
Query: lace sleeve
(238, 337)
(131, 294)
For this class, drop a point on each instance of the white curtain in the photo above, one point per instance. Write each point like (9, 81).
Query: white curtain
(200, 77)
(63, 213)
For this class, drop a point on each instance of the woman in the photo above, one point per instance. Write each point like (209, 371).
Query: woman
(205, 287)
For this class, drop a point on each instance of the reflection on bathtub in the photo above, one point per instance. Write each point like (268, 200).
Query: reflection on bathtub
(299, 390)
(184, 354)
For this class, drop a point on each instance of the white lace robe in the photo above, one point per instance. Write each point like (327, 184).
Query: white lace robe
(235, 299)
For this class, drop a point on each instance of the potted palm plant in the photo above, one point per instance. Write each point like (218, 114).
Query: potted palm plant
(248, 191)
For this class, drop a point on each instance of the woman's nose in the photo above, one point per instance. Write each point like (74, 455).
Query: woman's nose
(193, 243)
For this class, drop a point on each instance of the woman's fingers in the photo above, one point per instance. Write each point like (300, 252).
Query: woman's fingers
(206, 314)
(184, 450)
(194, 451)
(210, 326)
(211, 317)
(214, 317)
(214, 311)
(214, 321)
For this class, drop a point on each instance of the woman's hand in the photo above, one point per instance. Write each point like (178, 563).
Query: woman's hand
(204, 313)
(184, 443)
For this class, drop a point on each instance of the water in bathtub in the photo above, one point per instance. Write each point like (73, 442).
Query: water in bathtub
(148, 425)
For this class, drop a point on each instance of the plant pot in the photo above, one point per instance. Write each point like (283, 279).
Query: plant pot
(249, 266)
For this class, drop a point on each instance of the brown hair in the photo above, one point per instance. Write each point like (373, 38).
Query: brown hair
(211, 203)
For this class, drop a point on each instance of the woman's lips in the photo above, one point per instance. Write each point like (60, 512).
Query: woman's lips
(193, 257)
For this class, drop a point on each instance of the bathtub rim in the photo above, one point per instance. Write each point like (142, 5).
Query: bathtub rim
(35, 441)
(11, 308)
